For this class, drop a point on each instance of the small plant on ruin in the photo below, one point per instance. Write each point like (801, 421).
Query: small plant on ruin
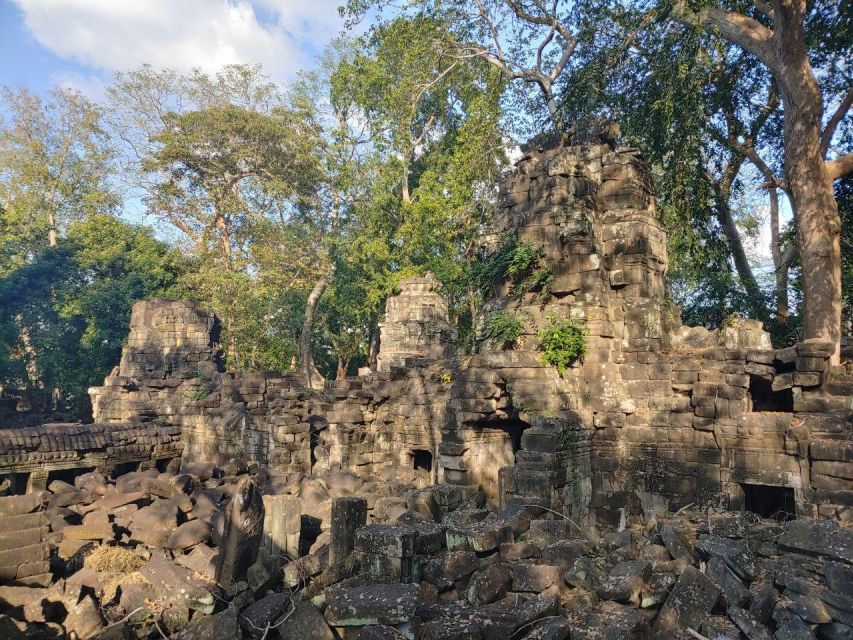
(503, 329)
(527, 272)
(563, 342)
(520, 264)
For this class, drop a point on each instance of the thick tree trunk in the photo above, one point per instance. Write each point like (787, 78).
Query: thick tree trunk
(808, 182)
(313, 377)
(373, 350)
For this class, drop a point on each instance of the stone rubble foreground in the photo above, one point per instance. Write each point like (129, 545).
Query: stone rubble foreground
(139, 556)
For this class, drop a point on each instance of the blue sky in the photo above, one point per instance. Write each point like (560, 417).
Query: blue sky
(81, 43)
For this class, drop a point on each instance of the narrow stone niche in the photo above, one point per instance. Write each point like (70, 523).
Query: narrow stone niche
(770, 501)
(421, 459)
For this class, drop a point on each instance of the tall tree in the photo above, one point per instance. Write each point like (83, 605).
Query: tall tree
(55, 165)
(531, 42)
(776, 34)
(223, 172)
(75, 298)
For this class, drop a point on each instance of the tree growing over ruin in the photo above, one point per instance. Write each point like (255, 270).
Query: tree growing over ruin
(777, 35)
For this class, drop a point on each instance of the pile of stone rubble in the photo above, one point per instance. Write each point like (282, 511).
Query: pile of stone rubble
(186, 554)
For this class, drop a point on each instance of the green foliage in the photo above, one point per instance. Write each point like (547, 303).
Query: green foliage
(65, 314)
(503, 329)
(519, 263)
(563, 342)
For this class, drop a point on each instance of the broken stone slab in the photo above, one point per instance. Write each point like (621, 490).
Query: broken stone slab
(188, 535)
(84, 619)
(748, 624)
(676, 542)
(306, 622)
(693, 597)
(385, 539)
(613, 622)
(178, 584)
(532, 577)
(377, 632)
(563, 552)
(20, 505)
(657, 589)
(584, 573)
(823, 538)
(390, 604)
(735, 553)
(481, 537)
(259, 617)
(625, 581)
(545, 532)
(489, 585)
(200, 560)
(215, 627)
(519, 551)
(736, 594)
(550, 629)
(719, 628)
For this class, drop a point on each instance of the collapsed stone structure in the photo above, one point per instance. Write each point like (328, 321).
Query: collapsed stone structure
(424, 493)
(656, 415)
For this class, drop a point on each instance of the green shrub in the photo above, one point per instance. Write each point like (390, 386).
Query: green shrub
(520, 264)
(503, 329)
(563, 342)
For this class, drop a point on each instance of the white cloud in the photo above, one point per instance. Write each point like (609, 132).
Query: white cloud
(114, 35)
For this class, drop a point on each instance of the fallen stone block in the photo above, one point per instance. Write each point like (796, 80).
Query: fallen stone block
(84, 619)
(734, 553)
(823, 538)
(489, 585)
(532, 577)
(258, 618)
(389, 604)
(625, 581)
(480, 537)
(693, 597)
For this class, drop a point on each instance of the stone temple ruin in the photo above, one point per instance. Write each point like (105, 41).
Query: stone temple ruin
(657, 419)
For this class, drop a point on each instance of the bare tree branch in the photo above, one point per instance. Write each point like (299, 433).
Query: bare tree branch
(832, 124)
(840, 167)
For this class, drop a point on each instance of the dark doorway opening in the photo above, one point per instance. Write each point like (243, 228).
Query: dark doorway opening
(66, 475)
(421, 459)
(127, 467)
(770, 501)
(17, 484)
(765, 399)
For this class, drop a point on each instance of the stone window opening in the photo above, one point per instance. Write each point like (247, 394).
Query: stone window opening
(421, 460)
(765, 399)
(770, 501)
(17, 484)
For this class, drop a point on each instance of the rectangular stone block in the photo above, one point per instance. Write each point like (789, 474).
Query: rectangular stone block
(282, 525)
